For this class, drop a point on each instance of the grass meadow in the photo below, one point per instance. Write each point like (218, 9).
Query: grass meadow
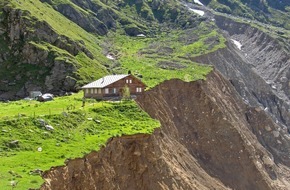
(27, 146)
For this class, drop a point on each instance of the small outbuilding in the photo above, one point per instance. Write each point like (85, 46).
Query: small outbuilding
(34, 94)
(114, 86)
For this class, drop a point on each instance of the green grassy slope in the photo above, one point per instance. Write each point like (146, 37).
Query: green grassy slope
(76, 131)
(159, 61)
(166, 55)
(129, 45)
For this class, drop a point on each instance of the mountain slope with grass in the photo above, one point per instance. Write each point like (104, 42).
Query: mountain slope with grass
(57, 46)
(228, 130)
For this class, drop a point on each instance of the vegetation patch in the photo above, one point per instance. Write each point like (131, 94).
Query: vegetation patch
(166, 55)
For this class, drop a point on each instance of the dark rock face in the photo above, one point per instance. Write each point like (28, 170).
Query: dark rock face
(96, 20)
(49, 74)
(105, 15)
(278, 5)
(132, 30)
(90, 24)
(209, 139)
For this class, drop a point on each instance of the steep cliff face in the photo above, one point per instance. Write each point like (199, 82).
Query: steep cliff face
(133, 162)
(209, 139)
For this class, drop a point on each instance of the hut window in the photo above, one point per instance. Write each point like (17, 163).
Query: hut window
(114, 90)
(128, 80)
(96, 91)
(87, 91)
(99, 91)
(138, 89)
(92, 91)
(106, 91)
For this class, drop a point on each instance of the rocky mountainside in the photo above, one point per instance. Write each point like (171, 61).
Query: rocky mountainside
(209, 139)
(258, 68)
(267, 11)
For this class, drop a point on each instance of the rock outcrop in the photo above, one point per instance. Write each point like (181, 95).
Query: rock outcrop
(208, 139)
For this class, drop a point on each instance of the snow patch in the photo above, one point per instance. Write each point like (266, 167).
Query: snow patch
(237, 43)
(109, 56)
(198, 2)
(141, 35)
(201, 13)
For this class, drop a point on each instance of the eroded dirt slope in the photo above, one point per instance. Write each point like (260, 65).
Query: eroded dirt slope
(259, 70)
(209, 139)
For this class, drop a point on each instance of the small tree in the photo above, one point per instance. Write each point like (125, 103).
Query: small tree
(126, 93)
